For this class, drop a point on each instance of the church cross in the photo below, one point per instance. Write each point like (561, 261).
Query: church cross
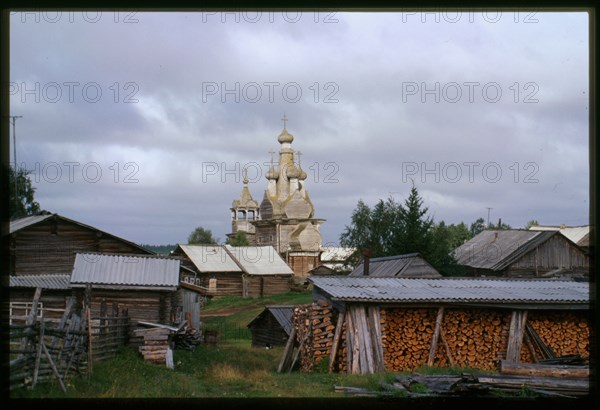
(284, 119)
(271, 152)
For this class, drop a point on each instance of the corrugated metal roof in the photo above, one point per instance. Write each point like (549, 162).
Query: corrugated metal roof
(41, 281)
(335, 253)
(281, 313)
(574, 233)
(496, 249)
(259, 260)
(453, 290)
(396, 266)
(210, 258)
(21, 223)
(125, 270)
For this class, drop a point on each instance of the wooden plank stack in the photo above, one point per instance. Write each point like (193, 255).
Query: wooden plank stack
(156, 344)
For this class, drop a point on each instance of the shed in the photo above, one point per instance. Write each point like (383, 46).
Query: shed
(248, 271)
(409, 265)
(522, 253)
(145, 285)
(398, 324)
(55, 290)
(42, 251)
(272, 326)
(577, 234)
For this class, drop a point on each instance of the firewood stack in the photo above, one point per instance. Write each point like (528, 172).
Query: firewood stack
(156, 344)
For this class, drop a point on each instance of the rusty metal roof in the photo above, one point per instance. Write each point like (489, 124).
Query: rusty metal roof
(129, 271)
(453, 290)
(497, 249)
(407, 265)
(40, 281)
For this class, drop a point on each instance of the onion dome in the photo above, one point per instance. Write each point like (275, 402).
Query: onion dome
(285, 136)
(293, 172)
(271, 173)
(303, 175)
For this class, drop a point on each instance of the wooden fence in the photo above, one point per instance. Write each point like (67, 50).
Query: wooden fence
(43, 350)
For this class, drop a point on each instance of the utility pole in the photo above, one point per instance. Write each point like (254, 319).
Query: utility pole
(488, 222)
(14, 124)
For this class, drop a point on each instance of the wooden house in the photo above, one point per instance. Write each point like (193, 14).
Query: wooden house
(410, 265)
(145, 285)
(523, 253)
(577, 234)
(224, 270)
(397, 324)
(42, 252)
(272, 326)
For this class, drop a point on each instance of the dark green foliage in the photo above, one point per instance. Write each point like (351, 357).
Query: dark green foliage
(22, 203)
(201, 236)
(239, 239)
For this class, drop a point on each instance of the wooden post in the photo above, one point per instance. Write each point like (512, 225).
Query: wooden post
(448, 352)
(31, 318)
(287, 351)
(515, 335)
(336, 339)
(54, 370)
(436, 334)
(39, 352)
(375, 319)
(89, 332)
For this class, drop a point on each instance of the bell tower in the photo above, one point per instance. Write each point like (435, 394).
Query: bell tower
(244, 211)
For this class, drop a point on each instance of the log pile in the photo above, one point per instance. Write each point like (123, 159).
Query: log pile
(564, 333)
(156, 344)
(311, 337)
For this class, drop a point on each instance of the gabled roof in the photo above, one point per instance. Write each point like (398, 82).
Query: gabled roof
(407, 265)
(22, 223)
(455, 290)
(125, 271)
(209, 258)
(40, 281)
(577, 234)
(497, 249)
(253, 260)
(281, 313)
(335, 253)
(259, 260)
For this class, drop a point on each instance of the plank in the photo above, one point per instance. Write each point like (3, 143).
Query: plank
(336, 340)
(436, 334)
(543, 370)
(287, 351)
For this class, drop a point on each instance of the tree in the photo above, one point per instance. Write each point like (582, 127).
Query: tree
(391, 228)
(477, 227)
(201, 236)
(21, 203)
(531, 223)
(239, 239)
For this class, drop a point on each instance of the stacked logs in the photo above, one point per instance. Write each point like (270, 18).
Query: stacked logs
(475, 338)
(313, 332)
(156, 344)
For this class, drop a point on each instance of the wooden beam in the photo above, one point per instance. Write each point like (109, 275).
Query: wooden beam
(436, 334)
(336, 339)
(543, 370)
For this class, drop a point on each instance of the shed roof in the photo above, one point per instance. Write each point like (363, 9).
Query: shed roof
(455, 290)
(335, 253)
(129, 271)
(259, 260)
(497, 249)
(407, 265)
(282, 313)
(40, 281)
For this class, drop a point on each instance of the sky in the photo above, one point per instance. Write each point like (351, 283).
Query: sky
(140, 123)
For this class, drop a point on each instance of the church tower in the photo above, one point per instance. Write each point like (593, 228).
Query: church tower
(287, 219)
(244, 211)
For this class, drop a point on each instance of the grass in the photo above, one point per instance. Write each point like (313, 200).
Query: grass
(229, 369)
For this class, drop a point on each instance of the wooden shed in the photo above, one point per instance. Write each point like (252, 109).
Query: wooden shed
(409, 265)
(145, 285)
(396, 324)
(272, 326)
(520, 253)
(224, 270)
(56, 289)
(42, 252)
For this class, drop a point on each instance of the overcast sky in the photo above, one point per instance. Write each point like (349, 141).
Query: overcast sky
(139, 123)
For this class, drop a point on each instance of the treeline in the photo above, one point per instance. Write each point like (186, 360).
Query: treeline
(391, 228)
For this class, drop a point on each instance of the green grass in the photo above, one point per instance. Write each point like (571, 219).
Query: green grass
(229, 369)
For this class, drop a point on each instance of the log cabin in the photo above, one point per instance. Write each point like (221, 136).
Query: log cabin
(224, 270)
(409, 265)
(272, 326)
(520, 253)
